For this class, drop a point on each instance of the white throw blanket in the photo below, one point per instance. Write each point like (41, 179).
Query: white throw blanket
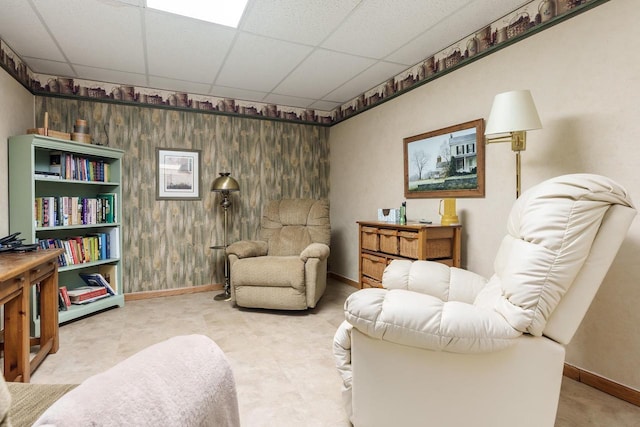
(183, 381)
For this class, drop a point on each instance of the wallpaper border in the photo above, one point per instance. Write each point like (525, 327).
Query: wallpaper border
(485, 41)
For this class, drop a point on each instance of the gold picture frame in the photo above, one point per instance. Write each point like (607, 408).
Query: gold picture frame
(447, 162)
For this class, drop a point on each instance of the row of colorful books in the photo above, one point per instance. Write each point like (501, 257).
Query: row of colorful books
(74, 210)
(97, 288)
(81, 249)
(71, 166)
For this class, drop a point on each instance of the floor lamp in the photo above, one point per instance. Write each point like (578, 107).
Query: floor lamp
(513, 113)
(225, 184)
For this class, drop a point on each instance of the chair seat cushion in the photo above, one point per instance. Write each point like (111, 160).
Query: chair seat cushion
(424, 321)
(269, 271)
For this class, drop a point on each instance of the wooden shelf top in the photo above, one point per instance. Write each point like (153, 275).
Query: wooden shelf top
(411, 225)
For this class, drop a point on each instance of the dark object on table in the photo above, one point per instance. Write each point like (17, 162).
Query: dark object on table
(12, 243)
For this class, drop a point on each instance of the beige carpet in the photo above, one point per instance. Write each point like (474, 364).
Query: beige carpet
(282, 361)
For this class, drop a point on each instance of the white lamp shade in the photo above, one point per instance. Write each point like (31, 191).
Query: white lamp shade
(512, 111)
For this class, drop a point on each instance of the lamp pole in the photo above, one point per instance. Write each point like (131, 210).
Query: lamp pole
(226, 202)
(225, 184)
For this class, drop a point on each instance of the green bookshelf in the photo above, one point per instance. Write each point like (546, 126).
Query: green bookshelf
(32, 176)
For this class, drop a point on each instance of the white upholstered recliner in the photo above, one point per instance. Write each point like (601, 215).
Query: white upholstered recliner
(287, 268)
(442, 346)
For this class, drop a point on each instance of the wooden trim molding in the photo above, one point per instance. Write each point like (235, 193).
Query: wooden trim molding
(605, 385)
(134, 296)
(343, 279)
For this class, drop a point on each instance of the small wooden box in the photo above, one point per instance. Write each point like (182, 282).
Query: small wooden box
(373, 266)
(58, 134)
(369, 239)
(50, 132)
(388, 241)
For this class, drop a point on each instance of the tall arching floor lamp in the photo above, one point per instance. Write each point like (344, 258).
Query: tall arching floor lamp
(225, 184)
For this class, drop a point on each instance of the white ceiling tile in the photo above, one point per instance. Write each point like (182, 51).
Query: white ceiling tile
(185, 49)
(54, 68)
(443, 34)
(16, 16)
(139, 3)
(321, 73)
(259, 63)
(400, 21)
(379, 73)
(308, 22)
(276, 56)
(178, 85)
(110, 76)
(324, 105)
(236, 93)
(292, 101)
(100, 34)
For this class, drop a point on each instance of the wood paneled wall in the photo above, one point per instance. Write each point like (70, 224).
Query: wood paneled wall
(166, 243)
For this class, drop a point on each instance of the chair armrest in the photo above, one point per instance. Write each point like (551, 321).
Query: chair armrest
(315, 250)
(248, 248)
(424, 321)
(433, 278)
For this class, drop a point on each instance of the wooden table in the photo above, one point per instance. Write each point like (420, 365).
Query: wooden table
(18, 272)
(382, 242)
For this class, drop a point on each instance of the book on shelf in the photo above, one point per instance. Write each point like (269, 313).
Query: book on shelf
(80, 168)
(110, 275)
(87, 294)
(97, 280)
(54, 162)
(62, 305)
(47, 175)
(62, 290)
(110, 202)
(74, 210)
(83, 249)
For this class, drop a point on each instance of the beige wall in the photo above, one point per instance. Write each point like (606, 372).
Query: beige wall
(583, 75)
(16, 115)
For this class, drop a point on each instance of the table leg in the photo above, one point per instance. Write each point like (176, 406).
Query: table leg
(16, 338)
(49, 312)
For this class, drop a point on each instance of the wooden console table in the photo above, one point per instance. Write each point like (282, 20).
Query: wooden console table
(382, 242)
(18, 272)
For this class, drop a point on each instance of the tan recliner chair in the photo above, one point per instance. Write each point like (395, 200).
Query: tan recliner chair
(287, 268)
(442, 346)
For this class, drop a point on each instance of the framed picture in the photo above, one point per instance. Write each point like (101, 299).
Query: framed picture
(446, 162)
(178, 174)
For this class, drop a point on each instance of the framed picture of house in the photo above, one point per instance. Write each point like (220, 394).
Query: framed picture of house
(178, 174)
(446, 162)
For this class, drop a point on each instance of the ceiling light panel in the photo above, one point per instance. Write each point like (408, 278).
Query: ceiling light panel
(223, 12)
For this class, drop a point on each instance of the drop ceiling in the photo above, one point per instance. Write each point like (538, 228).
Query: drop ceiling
(314, 54)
